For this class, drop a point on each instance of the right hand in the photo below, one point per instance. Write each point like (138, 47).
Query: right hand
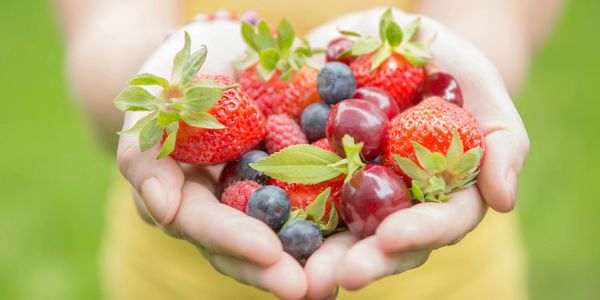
(181, 198)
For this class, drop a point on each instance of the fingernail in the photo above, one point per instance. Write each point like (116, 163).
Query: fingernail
(511, 180)
(155, 197)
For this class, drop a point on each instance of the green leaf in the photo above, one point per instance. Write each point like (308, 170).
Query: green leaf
(149, 79)
(180, 60)
(410, 30)
(468, 162)
(299, 164)
(416, 53)
(193, 65)
(249, 35)
(294, 216)
(264, 39)
(435, 184)
(150, 135)
(349, 33)
(365, 45)
(263, 74)
(316, 209)
(169, 144)
(285, 35)
(250, 59)
(380, 56)
(269, 58)
(416, 192)
(287, 75)
(434, 163)
(199, 99)
(167, 117)
(135, 98)
(386, 19)
(202, 120)
(393, 34)
(410, 168)
(205, 83)
(455, 150)
(137, 127)
(332, 222)
(421, 153)
(352, 151)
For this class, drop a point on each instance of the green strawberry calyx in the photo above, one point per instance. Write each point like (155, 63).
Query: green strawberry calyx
(308, 164)
(271, 55)
(439, 175)
(315, 212)
(392, 39)
(182, 98)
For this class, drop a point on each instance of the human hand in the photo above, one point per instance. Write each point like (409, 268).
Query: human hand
(404, 239)
(181, 198)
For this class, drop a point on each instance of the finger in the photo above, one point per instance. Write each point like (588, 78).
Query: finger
(366, 262)
(432, 225)
(487, 98)
(158, 182)
(204, 221)
(285, 278)
(321, 266)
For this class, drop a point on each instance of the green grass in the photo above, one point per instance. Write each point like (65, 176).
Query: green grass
(53, 177)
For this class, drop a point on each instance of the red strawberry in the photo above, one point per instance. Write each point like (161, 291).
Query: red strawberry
(245, 127)
(394, 63)
(276, 76)
(283, 131)
(324, 144)
(237, 194)
(200, 119)
(429, 140)
(302, 195)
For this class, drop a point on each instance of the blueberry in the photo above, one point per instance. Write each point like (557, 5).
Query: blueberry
(245, 172)
(300, 239)
(313, 120)
(335, 82)
(269, 204)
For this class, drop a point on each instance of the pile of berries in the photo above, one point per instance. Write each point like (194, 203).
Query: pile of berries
(311, 151)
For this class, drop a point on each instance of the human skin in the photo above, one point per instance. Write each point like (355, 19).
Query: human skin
(180, 198)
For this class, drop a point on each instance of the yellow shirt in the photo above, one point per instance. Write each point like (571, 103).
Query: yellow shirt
(141, 262)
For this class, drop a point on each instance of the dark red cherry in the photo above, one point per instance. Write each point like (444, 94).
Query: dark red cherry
(362, 120)
(379, 97)
(371, 195)
(336, 47)
(442, 85)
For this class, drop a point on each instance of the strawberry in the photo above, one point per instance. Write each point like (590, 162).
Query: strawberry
(237, 194)
(283, 131)
(200, 119)
(436, 146)
(324, 144)
(279, 78)
(302, 195)
(394, 62)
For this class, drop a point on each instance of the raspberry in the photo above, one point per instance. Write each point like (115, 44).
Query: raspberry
(283, 131)
(237, 194)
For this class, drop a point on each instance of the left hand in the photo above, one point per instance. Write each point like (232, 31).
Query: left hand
(405, 239)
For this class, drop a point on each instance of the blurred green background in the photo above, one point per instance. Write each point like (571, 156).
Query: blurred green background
(53, 177)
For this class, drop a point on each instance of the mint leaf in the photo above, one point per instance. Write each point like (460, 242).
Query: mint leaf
(379, 57)
(150, 135)
(169, 144)
(249, 35)
(365, 45)
(316, 209)
(269, 58)
(135, 98)
(149, 79)
(193, 65)
(285, 36)
(199, 99)
(393, 34)
(299, 164)
(167, 117)
(264, 39)
(180, 59)
(202, 120)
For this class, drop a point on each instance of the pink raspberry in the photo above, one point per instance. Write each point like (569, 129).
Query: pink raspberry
(282, 132)
(237, 194)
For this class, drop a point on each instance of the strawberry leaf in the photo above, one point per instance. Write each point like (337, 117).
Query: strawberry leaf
(386, 19)
(137, 127)
(299, 164)
(150, 135)
(416, 192)
(285, 36)
(410, 168)
(352, 151)
(365, 45)
(135, 98)
(349, 33)
(332, 222)
(180, 60)
(167, 117)
(379, 57)
(202, 120)
(316, 209)
(169, 143)
(269, 58)
(264, 39)
(199, 99)
(264, 74)
(249, 35)
(193, 65)
(393, 34)
(149, 79)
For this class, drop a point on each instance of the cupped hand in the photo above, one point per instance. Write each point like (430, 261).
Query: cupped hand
(181, 198)
(405, 239)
